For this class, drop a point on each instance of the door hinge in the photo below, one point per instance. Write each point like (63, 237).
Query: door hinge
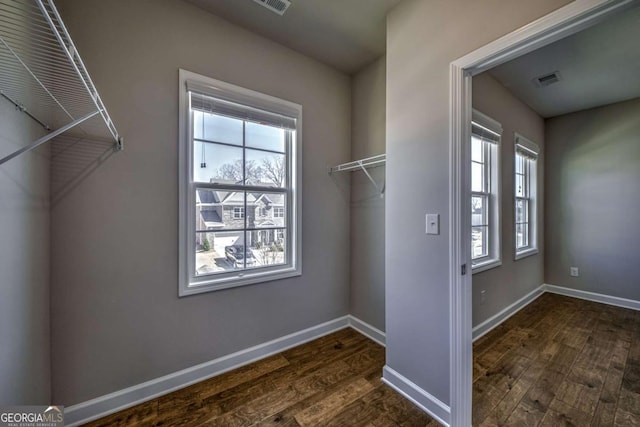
(464, 269)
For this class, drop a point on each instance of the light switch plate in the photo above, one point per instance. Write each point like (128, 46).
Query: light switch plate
(433, 223)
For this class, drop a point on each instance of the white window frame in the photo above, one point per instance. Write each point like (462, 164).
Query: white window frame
(278, 212)
(189, 283)
(238, 212)
(526, 147)
(493, 195)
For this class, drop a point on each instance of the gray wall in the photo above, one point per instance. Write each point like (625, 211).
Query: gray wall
(509, 282)
(593, 200)
(116, 317)
(423, 37)
(24, 263)
(367, 207)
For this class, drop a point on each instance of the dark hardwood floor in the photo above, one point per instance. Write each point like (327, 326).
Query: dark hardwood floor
(332, 381)
(559, 362)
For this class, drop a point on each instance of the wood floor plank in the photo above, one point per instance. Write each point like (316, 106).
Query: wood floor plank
(324, 410)
(626, 419)
(559, 361)
(561, 414)
(584, 359)
(317, 382)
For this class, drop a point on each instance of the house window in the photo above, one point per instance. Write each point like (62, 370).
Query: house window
(485, 192)
(525, 197)
(238, 213)
(239, 152)
(278, 212)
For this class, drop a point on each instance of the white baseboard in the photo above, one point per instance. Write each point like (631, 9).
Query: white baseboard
(367, 330)
(423, 400)
(592, 296)
(492, 322)
(122, 399)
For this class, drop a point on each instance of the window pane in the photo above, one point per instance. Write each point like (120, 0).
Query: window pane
(479, 208)
(221, 252)
(266, 210)
(479, 242)
(265, 137)
(477, 177)
(220, 210)
(198, 124)
(217, 163)
(522, 211)
(222, 129)
(265, 168)
(519, 164)
(522, 236)
(267, 246)
(521, 190)
(477, 152)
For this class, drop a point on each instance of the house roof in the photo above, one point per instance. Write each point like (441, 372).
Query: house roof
(208, 196)
(210, 216)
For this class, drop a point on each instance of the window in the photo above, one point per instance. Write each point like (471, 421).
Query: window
(239, 156)
(485, 192)
(278, 212)
(238, 213)
(525, 206)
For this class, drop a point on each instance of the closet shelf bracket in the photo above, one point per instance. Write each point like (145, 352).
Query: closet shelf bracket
(363, 165)
(43, 76)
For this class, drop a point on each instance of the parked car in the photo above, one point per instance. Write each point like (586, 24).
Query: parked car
(235, 255)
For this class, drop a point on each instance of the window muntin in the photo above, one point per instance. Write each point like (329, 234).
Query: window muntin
(239, 165)
(485, 185)
(525, 191)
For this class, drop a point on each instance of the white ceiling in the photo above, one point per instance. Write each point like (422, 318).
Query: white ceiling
(346, 34)
(598, 66)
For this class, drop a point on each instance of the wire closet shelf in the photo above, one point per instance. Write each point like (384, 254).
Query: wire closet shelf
(42, 75)
(363, 165)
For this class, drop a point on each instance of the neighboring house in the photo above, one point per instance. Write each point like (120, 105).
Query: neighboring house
(226, 210)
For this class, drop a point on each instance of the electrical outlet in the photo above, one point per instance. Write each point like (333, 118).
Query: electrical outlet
(483, 294)
(574, 271)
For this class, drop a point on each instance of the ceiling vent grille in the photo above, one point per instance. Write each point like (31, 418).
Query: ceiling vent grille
(547, 79)
(276, 6)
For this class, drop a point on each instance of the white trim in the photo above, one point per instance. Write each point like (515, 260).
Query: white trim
(487, 265)
(592, 296)
(188, 282)
(561, 23)
(128, 397)
(419, 397)
(525, 253)
(495, 320)
(487, 122)
(367, 330)
(460, 298)
(494, 196)
(526, 144)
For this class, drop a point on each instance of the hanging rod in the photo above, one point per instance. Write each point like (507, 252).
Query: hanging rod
(22, 108)
(41, 67)
(363, 164)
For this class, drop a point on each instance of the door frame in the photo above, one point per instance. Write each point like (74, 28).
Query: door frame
(561, 23)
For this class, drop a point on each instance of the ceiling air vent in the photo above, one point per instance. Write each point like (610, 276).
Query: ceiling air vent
(277, 6)
(547, 79)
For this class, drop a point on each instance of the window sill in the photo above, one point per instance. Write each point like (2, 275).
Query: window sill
(236, 281)
(485, 265)
(526, 253)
